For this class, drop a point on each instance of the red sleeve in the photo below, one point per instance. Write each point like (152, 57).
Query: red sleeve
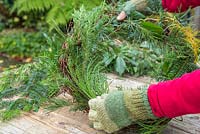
(179, 5)
(176, 97)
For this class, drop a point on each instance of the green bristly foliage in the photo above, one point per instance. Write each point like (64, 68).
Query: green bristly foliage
(82, 67)
(85, 83)
(153, 45)
(32, 85)
(55, 104)
(58, 11)
(178, 59)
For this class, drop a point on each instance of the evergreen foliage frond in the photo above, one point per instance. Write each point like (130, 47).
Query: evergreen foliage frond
(31, 85)
(81, 67)
(58, 16)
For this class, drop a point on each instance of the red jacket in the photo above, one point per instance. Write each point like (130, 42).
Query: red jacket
(179, 5)
(176, 97)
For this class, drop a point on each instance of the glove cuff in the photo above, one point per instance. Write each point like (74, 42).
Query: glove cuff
(127, 106)
(137, 104)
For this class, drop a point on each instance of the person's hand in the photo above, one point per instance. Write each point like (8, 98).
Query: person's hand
(116, 110)
(131, 5)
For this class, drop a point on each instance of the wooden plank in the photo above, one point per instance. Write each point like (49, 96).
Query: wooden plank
(189, 124)
(127, 82)
(10, 129)
(26, 125)
(63, 119)
(23, 121)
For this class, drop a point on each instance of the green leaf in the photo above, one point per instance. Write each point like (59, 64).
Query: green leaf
(107, 59)
(36, 108)
(155, 29)
(120, 66)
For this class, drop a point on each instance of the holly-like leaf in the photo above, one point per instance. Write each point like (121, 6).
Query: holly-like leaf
(108, 58)
(120, 65)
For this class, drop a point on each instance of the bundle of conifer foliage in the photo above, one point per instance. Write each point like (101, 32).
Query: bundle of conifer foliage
(33, 85)
(151, 43)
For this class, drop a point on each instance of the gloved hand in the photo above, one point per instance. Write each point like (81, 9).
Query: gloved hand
(131, 5)
(116, 110)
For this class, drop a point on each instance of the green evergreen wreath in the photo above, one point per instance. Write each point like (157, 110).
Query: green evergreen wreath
(151, 43)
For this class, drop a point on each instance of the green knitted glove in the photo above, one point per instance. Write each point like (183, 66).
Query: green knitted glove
(114, 111)
(132, 5)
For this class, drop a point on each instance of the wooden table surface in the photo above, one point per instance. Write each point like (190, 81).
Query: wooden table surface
(64, 121)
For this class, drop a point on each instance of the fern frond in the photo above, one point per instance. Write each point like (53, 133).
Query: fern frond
(58, 11)
(58, 16)
(33, 5)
